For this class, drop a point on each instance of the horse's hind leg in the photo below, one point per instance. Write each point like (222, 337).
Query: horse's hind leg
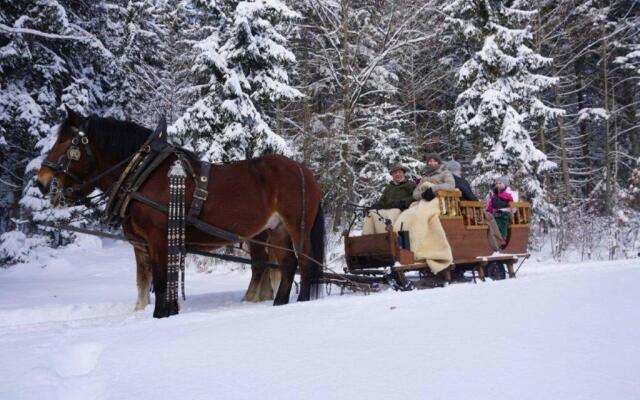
(305, 265)
(143, 278)
(305, 275)
(287, 262)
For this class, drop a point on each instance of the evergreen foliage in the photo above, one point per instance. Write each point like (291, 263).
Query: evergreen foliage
(500, 102)
(545, 92)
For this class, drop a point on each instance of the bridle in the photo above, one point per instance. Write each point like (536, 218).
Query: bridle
(73, 153)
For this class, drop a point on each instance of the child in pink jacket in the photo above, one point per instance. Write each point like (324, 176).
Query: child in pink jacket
(498, 205)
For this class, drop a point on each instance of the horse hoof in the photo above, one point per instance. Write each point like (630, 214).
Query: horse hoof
(277, 302)
(167, 310)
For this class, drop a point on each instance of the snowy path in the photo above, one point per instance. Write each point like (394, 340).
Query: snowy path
(557, 332)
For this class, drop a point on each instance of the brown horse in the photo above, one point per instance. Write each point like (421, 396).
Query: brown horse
(259, 196)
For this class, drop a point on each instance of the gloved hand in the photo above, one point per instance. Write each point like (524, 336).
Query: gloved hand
(428, 195)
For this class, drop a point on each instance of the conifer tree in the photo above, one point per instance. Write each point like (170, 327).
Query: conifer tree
(46, 58)
(248, 70)
(501, 99)
(136, 37)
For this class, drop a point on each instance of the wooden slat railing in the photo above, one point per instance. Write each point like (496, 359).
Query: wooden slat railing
(473, 212)
(449, 203)
(522, 214)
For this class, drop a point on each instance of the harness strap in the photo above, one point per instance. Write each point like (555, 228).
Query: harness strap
(92, 159)
(113, 196)
(200, 192)
(147, 166)
(193, 221)
(215, 231)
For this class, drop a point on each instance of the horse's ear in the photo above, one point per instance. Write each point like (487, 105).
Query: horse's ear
(161, 129)
(75, 119)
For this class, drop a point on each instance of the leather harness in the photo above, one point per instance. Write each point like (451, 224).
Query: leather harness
(140, 165)
(146, 160)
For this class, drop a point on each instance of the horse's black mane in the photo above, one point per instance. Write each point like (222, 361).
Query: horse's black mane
(119, 139)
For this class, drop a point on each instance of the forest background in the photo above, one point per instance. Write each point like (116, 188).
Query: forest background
(543, 91)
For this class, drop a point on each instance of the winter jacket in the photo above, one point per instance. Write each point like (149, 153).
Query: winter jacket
(464, 186)
(441, 179)
(499, 201)
(397, 195)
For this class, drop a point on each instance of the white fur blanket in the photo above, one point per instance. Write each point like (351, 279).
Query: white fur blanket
(374, 222)
(428, 239)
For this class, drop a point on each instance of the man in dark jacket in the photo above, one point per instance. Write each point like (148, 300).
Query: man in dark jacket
(396, 196)
(461, 183)
(399, 192)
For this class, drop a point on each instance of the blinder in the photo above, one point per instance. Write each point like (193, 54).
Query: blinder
(73, 153)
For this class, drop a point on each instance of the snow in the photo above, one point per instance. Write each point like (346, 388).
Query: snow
(562, 331)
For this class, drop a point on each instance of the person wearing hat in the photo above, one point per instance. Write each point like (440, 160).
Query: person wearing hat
(427, 237)
(437, 177)
(498, 206)
(396, 196)
(399, 192)
(461, 184)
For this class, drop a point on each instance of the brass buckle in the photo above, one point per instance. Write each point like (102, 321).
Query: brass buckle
(200, 194)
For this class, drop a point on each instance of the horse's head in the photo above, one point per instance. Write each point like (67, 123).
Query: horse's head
(66, 171)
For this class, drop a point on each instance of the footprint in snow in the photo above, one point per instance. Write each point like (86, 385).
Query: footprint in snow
(76, 360)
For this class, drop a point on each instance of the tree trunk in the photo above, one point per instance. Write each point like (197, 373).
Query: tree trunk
(564, 162)
(608, 204)
(345, 193)
(583, 125)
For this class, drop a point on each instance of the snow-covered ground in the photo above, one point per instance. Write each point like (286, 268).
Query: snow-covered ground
(558, 331)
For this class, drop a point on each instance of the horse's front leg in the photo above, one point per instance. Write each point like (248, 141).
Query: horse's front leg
(143, 278)
(158, 258)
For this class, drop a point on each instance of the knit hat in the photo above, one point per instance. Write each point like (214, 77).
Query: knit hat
(453, 166)
(396, 167)
(504, 179)
(434, 156)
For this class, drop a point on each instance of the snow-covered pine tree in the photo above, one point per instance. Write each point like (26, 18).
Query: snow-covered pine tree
(258, 59)
(47, 57)
(247, 67)
(198, 74)
(383, 142)
(501, 101)
(135, 35)
(379, 123)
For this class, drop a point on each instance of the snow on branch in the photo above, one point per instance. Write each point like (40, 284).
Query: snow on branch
(47, 35)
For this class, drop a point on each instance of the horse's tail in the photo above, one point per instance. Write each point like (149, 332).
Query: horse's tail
(317, 252)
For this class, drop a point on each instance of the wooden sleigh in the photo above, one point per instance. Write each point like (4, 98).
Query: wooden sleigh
(467, 231)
